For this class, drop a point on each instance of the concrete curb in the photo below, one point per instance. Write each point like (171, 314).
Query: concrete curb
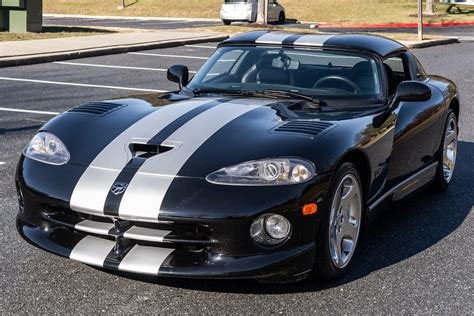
(120, 49)
(431, 43)
(117, 17)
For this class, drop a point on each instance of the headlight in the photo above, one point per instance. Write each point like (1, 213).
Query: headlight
(278, 171)
(47, 148)
(270, 229)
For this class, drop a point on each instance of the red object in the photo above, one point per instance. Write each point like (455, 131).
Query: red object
(393, 25)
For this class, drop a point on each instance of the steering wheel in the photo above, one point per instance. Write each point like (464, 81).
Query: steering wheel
(354, 86)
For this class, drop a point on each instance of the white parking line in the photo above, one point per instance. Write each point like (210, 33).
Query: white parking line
(201, 46)
(80, 85)
(28, 111)
(112, 66)
(2, 163)
(172, 56)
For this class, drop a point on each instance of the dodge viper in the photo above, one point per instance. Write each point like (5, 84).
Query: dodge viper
(268, 164)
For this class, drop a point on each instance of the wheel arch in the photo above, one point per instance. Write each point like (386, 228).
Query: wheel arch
(361, 162)
(454, 105)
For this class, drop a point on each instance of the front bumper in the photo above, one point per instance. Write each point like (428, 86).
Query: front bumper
(279, 266)
(207, 236)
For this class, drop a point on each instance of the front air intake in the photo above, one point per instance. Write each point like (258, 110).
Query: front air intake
(96, 108)
(307, 127)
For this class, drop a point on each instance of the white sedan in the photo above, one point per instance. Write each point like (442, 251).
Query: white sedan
(246, 11)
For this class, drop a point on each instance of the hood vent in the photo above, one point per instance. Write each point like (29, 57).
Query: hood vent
(307, 127)
(97, 108)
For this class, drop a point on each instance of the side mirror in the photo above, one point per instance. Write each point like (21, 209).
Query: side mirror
(407, 91)
(411, 91)
(178, 74)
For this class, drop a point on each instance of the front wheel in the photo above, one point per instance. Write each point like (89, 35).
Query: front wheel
(448, 153)
(341, 224)
(226, 22)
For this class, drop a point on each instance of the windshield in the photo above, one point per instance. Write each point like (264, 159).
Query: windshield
(325, 74)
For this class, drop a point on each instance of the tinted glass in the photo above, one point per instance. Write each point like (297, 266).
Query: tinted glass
(321, 73)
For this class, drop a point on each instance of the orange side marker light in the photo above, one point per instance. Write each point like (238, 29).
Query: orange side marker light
(310, 209)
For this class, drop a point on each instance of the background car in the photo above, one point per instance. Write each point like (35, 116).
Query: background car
(246, 11)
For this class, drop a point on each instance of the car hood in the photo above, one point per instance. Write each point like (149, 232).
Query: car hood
(190, 138)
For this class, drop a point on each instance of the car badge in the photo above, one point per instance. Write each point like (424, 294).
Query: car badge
(118, 188)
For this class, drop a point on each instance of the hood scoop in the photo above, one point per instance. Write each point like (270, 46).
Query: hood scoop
(97, 108)
(306, 127)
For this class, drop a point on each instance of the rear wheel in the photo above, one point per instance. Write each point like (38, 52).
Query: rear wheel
(340, 227)
(226, 22)
(281, 18)
(448, 153)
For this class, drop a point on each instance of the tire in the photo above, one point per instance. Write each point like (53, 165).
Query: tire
(281, 18)
(339, 227)
(447, 153)
(226, 22)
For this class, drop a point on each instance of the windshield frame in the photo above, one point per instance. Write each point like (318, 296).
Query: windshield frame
(338, 101)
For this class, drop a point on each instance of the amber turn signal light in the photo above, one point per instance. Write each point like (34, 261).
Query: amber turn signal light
(310, 209)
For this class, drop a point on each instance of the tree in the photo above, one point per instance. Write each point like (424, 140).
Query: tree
(123, 6)
(261, 19)
(430, 7)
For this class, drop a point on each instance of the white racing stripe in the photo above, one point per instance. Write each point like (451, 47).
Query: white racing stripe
(170, 56)
(313, 40)
(112, 66)
(146, 260)
(92, 250)
(79, 84)
(28, 111)
(147, 234)
(94, 227)
(140, 259)
(272, 38)
(145, 193)
(91, 191)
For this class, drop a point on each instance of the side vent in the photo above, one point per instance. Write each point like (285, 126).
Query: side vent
(306, 127)
(96, 108)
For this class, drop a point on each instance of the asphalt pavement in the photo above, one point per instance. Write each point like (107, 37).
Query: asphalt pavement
(151, 24)
(418, 258)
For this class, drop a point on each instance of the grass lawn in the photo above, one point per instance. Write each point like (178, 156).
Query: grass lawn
(333, 11)
(53, 32)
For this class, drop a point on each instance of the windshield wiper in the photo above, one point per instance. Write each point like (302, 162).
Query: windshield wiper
(201, 91)
(313, 103)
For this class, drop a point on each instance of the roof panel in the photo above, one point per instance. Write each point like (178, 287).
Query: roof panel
(376, 44)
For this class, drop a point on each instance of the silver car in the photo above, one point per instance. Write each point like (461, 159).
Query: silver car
(246, 11)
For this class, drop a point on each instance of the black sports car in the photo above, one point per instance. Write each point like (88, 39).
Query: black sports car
(268, 164)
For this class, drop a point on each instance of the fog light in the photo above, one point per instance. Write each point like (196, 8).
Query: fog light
(270, 229)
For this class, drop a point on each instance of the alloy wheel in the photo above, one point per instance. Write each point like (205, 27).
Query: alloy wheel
(450, 149)
(345, 221)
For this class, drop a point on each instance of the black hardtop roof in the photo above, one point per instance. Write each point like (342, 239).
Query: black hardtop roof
(375, 44)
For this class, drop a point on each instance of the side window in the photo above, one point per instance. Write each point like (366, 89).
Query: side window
(397, 71)
(418, 72)
(398, 66)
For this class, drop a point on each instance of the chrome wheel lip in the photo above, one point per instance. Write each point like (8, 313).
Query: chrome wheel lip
(345, 221)
(450, 148)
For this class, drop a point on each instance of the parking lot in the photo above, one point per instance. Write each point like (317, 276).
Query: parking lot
(145, 24)
(417, 258)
